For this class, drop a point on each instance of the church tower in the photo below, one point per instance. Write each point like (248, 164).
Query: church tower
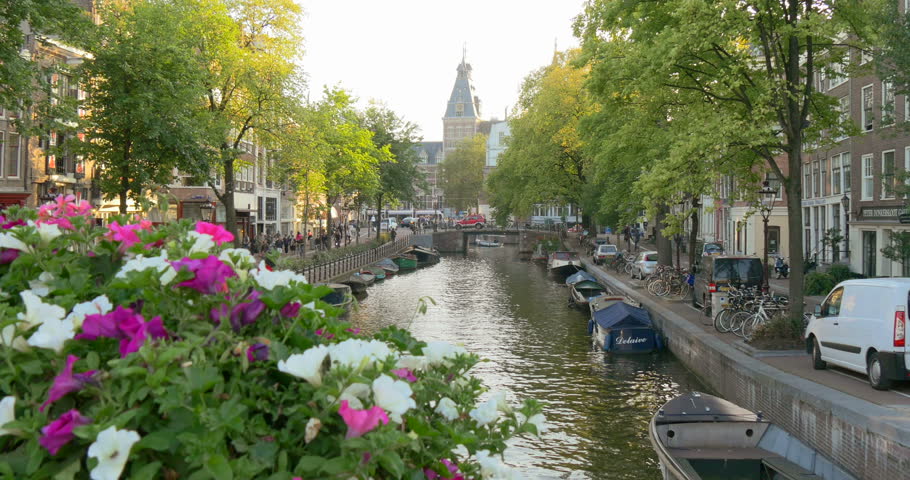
(462, 118)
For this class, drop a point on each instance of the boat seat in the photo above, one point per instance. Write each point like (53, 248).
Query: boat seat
(788, 469)
(721, 453)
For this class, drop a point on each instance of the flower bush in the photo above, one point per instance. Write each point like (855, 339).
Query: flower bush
(134, 351)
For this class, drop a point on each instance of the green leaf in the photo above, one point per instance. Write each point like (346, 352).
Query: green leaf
(219, 467)
(264, 452)
(147, 472)
(69, 471)
(158, 441)
(202, 379)
(309, 464)
(92, 360)
(392, 463)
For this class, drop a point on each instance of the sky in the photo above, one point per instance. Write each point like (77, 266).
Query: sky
(403, 53)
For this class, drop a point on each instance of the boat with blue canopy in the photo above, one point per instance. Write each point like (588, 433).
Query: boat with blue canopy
(622, 328)
(579, 276)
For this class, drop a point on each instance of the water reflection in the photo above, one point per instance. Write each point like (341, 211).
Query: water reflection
(512, 313)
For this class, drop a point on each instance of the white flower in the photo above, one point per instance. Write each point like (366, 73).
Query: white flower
(441, 352)
(7, 413)
(306, 365)
(501, 403)
(40, 286)
(8, 240)
(485, 413)
(393, 395)
(36, 311)
(312, 429)
(112, 449)
(98, 306)
(412, 362)
(142, 263)
(240, 259)
(353, 393)
(358, 353)
(202, 242)
(279, 278)
(52, 334)
(9, 339)
(492, 468)
(47, 232)
(539, 421)
(447, 408)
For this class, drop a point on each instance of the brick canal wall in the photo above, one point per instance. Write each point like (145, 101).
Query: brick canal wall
(864, 439)
(456, 241)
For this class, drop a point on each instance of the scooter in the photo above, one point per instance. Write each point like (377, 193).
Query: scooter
(782, 270)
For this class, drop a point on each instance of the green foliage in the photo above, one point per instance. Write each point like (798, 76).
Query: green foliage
(202, 405)
(461, 173)
(819, 283)
(839, 273)
(780, 330)
(899, 248)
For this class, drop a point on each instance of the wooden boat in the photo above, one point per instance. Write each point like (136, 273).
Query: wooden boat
(405, 261)
(377, 272)
(485, 241)
(340, 297)
(700, 437)
(425, 256)
(359, 281)
(581, 292)
(388, 265)
(605, 300)
(579, 276)
(622, 328)
(564, 263)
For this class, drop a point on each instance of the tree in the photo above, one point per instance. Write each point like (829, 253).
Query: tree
(899, 249)
(19, 73)
(400, 177)
(545, 161)
(754, 62)
(144, 85)
(461, 173)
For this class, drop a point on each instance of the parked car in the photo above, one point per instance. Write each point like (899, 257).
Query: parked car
(861, 326)
(388, 224)
(476, 221)
(714, 274)
(645, 264)
(408, 221)
(605, 253)
(712, 249)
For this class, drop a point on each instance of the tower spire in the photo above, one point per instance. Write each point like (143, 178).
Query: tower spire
(464, 52)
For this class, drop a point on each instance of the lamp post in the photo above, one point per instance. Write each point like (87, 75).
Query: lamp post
(845, 203)
(205, 211)
(766, 199)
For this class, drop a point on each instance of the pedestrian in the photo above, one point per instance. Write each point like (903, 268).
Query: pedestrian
(636, 236)
(393, 233)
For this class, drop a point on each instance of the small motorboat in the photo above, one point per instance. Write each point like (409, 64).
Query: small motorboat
(359, 281)
(579, 276)
(487, 241)
(405, 261)
(605, 300)
(622, 328)
(340, 297)
(699, 436)
(539, 255)
(388, 265)
(377, 272)
(564, 263)
(425, 256)
(581, 292)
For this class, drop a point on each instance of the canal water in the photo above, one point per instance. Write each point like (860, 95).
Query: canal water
(514, 314)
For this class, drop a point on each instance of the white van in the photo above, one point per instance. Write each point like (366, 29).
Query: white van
(861, 326)
(388, 224)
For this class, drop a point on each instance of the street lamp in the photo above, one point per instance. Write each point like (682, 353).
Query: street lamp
(205, 211)
(845, 203)
(766, 197)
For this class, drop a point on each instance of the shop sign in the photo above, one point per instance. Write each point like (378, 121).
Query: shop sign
(880, 213)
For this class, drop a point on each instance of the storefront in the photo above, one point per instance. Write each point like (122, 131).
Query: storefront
(870, 232)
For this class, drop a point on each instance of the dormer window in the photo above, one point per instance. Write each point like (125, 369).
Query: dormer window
(459, 109)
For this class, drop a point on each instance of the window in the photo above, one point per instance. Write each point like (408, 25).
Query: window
(823, 188)
(837, 75)
(12, 156)
(845, 163)
(459, 109)
(867, 177)
(271, 209)
(844, 109)
(867, 99)
(887, 104)
(806, 220)
(806, 182)
(835, 175)
(865, 57)
(888, 175)
(815, 179)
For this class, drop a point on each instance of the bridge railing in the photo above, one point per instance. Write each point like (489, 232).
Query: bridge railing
(328, 270)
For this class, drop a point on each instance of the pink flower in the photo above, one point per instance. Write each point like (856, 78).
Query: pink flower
(211, 274)
(453, 470)
(246, 313)
(62, 209)
(125, 325)
(66, 382)
(405, 374)
(8, 255)
(11, 224)
(217, 232)
(59, 432)
(355, 331)
(322, 333)
(138, 331)
(289, 311)
(258, 352)
(127, 235)
(360, 422)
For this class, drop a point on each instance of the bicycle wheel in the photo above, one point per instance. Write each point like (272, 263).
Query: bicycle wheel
(751, 324)
(662, 287)
(737, 321)
(684, 290)
(722, 320)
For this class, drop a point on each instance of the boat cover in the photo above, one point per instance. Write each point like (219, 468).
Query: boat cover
(587, 285)
(622, 315)
(700, 407)
(579, 276)
(387, 264)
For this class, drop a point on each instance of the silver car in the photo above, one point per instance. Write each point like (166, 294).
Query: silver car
(645, 264)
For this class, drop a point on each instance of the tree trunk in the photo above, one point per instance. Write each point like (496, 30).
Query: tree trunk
(328, 226)
(306, 221)
(693, 233)
(125, 175)
(795, 227)
(230, 214)
(664, 247)
(122, 196)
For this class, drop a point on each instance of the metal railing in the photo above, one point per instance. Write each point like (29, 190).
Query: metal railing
(333, 268)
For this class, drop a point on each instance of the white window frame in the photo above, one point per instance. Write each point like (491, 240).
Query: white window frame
(867, 174)
(884, 192)
(19, 155)
(836, 186)
(845, 172)
(888, 117)
(3, 154)
(907, 165)
(843, 104)
(839, 77)
(862, 109)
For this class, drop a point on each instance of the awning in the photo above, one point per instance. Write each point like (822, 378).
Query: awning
(9, 199)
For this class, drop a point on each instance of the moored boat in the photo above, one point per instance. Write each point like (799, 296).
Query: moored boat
(340, 297)
(605, 300)
(539, 254)
(700, 437)
(388, 265)
(405, 261)
(359, 281)
(377, 272)
(622, 328)
(487, 241)
(581, 292)
(564, 263)
(579, 276)
(425, 256)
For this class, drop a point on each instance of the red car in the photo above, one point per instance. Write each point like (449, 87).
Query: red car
(476, 221)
